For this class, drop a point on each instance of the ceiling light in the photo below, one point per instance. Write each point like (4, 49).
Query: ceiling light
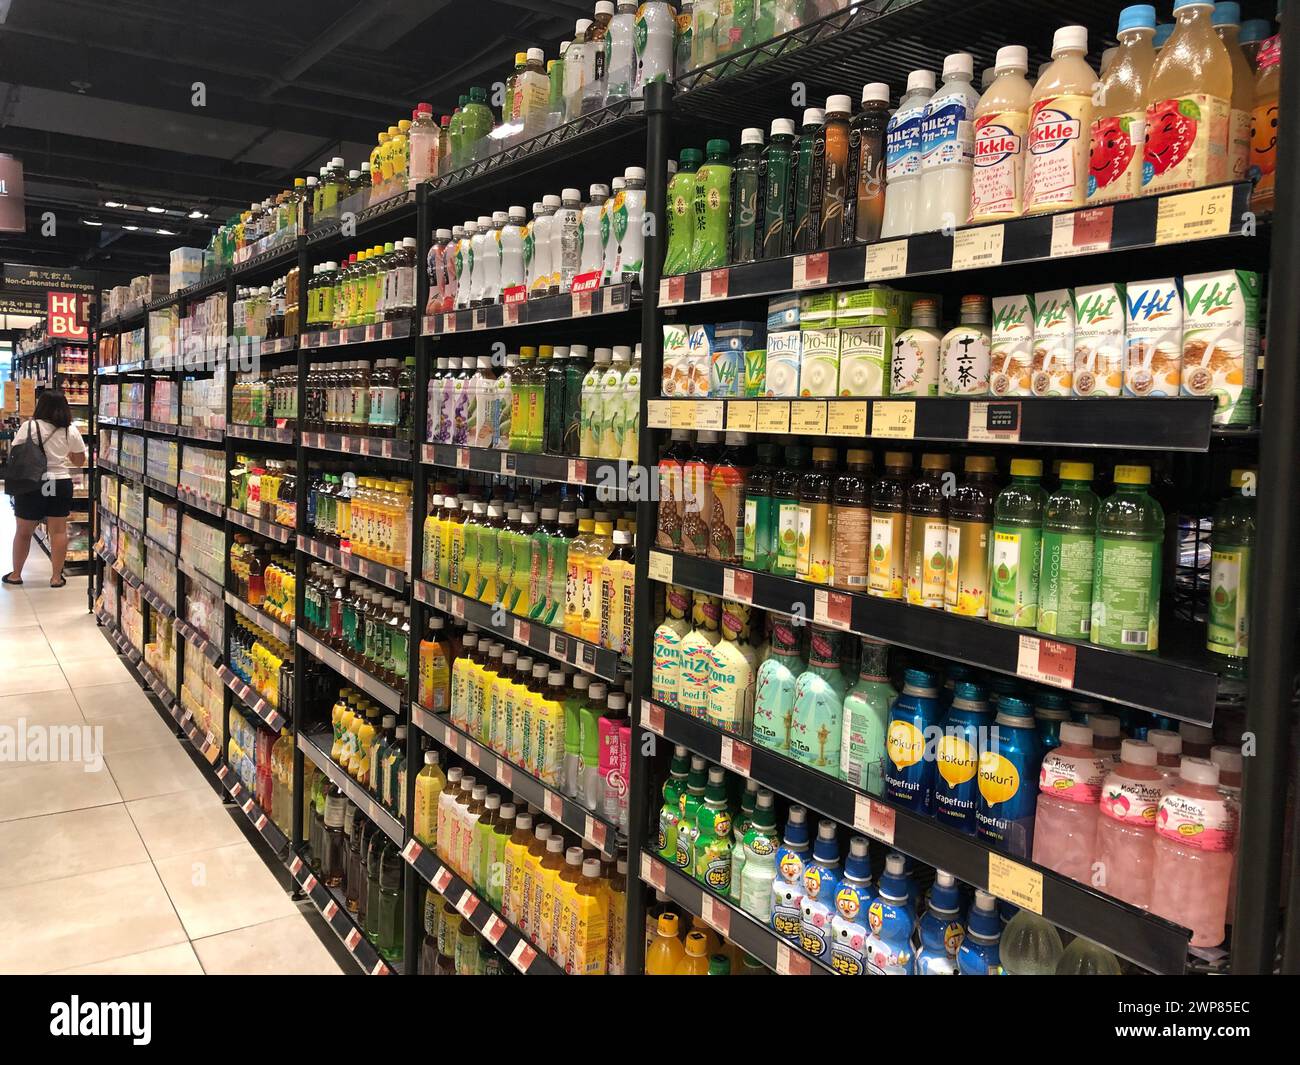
(197, 214)
(113, 203)
(91, 222)
(131, 228)
(156, 210)
(165, 232)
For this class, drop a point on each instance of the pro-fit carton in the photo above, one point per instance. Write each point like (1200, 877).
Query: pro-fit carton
(819, 368)
(865, 356)
(1099, 340)
(1221, 342)
(784, 355)
(1012, 347)
(1153, 357)
(1052, 363)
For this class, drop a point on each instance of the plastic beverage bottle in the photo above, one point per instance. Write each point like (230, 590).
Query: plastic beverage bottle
(774, 690)
(1008, 779)
(1189, 105)
(593, 247)
(629, 226)
(697, 656)
(628, 408)
(681, 213)
(777, 190)
(593, 404)
(914, 369)
(821, 883)
(1254, 32)
(865, 195)
(1125, 843)
(1119, 120)
(1232, 546)
(940, 929)
(740, 824)
(1056, 174)
(1069, 537)
(947, 148)
(1070, 788)
(903, 157)
(608, 230)
(695, 959)
(788, 886)
(687, 827)
(576, 368)
(670, 813)
(511, 272)
(655, 39)
(1017, 546)
(566, 242)
(892, 920)
(579, 64)
(667, 952)
(813, 552)
(926, 538)
(836, 188)
(542, 239)
(712, 208)
(1083, 957)
(620, 53)
(611, 404)
(887, 562)
(806, 183)
(964, 351)
(1226, 20)
(1229, 761)
(1001, 140)
(746, 221)
(866, 718)
(1263, 125)
(713, 841)
(1031, 946)
(759, 871)
(979, 953)
(957, 757)
(731, 671)
(850, 531)
(817, 721)
(908, 773)
(970, 530)
(1126, 580)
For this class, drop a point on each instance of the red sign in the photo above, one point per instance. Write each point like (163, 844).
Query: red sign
(587, 282)
(65, 316)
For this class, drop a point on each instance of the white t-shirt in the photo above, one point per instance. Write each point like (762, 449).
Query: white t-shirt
(59, 444)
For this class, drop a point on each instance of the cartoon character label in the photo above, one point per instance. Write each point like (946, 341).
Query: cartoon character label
(817, 909)
(1077, 779)
(787, 894)
(1131, 802)
(849, 929)
(889, 947)
(1186, 143)
(1115, 157)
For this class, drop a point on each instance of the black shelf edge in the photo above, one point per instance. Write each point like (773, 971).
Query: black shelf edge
(593, 828)
(158, 686)
(1090, 231)
(270, 529)
(204, 433)
(348, 335)
(198, 502)
(361, 798)
(283, 254)
(554, 643)
(375, 572)
(1141, 937)
(161, 487)
(336, 916)
(1129, 423)
(157, 601)
(259, 818)
(198, 641)
(202, 288)
(281, 631)
(264, 434)
(389, 209)
(1161, 685)
(611, 475)
(507, 939)
(210, 583)
(567, 306)
(395, 449)
(252, 701)
(373, 686)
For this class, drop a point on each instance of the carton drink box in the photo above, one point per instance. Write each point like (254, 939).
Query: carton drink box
(1011, 351)
(1153, 355)
(819, 367)
(1052, 363)
(866, 353)
(1099, 340)
(1221, 342)
(784, 358)
(817, 310)
(732, 340)
(756, 372)
(676, 345)
(700, 345)
(782, 313)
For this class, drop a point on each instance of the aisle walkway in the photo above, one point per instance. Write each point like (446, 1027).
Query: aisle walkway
(127, 863)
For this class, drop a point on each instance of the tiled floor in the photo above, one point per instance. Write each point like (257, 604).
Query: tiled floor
(136, 866)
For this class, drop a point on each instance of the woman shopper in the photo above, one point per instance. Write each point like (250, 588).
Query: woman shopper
(51, 429)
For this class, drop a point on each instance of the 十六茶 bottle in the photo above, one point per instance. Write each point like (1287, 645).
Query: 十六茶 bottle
(964, 351)
(914, 369)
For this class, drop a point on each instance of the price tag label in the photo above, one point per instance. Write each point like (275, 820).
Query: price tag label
(462, 458)
(773, 417)
(846, 418)
(554, 805)
(594, 831)
(472, 754)
(581, 304)
(309, 885)
(428, 325)
(1194, 215)
(886, 260)
(652, 717)
(812, 270)
(661, 567)
(738, 585)
(736, 755)
(672, 291)
(457, 607)
(653, 873)
(716, 914)
(976, 248)
(1082, 232)
(441, 880)
(331, 908)
(832, 608)
(505, 773)
(893, 420)
(789, 962)
(577, 471)
(480, 317)
(523, 956)
(710, 415)
(683, 414)
(412, 851)
(714, 285)
(352, 939)
(1046, 661)
(659, 413)
(467, 905)
(494, 929)
(559, 647)
(523, 632)
(510, 313)
(808, 419)
(874, 818)
(449, 322)
(1016, 883)
(742, 416)
(994, 422)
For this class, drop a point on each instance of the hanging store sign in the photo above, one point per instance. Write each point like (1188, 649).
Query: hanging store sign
(66, 316)
(25, 277)
(13, 204)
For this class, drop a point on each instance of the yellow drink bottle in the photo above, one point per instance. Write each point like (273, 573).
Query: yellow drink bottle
(551, 866)
(429, 783)
(563, 903)
(666, 951)
(446, 806)
(695, 960)
(501, 691)
(599, 545)
(577, 561)
(516, 859)
(531, 901)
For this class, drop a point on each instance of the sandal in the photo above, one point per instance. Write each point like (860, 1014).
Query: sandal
(15, 583)
(61, 582)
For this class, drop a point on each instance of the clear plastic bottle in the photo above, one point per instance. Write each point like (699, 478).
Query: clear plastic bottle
(1264, 122)
(620, 53)
(1226, 21)
(1126, 581)
(947, 148)
(608, 230)
(1070, 790)
(512, 251)
(1119, 121)
(541, 239)
(655, 38)
(1002, 140)
(579, 62)
(1056, 175)
(566, 243)
(629, 228)
(903, 156)
(1126, 836)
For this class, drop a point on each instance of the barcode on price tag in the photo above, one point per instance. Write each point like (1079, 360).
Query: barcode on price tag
(873, 818)
(811, 270)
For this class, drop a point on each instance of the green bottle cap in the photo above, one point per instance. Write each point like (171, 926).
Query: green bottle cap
(477, 94)
(691, 157)
(719, 147)
(719, 965)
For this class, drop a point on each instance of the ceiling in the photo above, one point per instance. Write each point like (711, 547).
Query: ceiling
(205, 107)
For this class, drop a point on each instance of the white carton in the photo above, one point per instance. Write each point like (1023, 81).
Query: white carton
(1099, 340)
(1012, 347)
(674, 363)
(819, 368)
(1052, 365)
(784, 355)
(866, 352)
(1153, 351)
(699, 361)
(1221, 342)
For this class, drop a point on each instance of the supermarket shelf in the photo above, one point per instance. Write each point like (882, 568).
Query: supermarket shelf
(203, 742)
(157, 685)
(283, 255)
(282, 632)
(377, 572)
(157, 601)
(70, 558)
(123, 644)
(120, 320)
(358, 334)
(161, 487)
(1173, 218)
(375, 447)
(1129, 423)
(197, 291)
(361, 798)
(610, 474)
(1160, 684)
(119, 567)
(270, 529)
(201, 432)
(576, 818)
(49, 347)
(608, 299)
(192, 499)
(496, 929)
(198, 641)
(263, 434)
(1141, 937)
(371, 685)
(261, 821)
(336, 916)
(598, 661)
(389, 209)
(746, 931)
(252, 700)
(187, 568)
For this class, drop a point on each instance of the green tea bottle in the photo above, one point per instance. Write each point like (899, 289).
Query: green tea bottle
(1069, 533)
(866, 716)
(681, 213)
(785, 501)
(576, 368)
(1127, 560)
(808, 183)
(759, 546)
(747, 223)
(817, 724)
(1017, 542)
(687, 829)
(778, 162)
(1231, 545)
(712, 208)
(774, 687)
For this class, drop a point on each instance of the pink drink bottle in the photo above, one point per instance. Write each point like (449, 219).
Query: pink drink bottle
(1126, 829)
(1196, 830)
(1069, 790)
(1228, 759)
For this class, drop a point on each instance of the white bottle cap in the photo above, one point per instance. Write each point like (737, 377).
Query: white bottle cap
(877, 91)
(618, 183)
(895, 865)
(500, 217)
(599, 190)
(1195, 733)
(572, 194)
(485, 362)
(484, 221)
(622, 353)
(551, 201)
(858, 847)
(1070, 38)
(605, 7)
(1164, 741)
(814, 116)
(1103, 725)
(443, 234)
(783, 125)
(751, 136)
(1012, 57)
(921, 79)
(1228, 759)
(581, 27)
(958, 63)
(840, 104)
(578, 351)
(1199, 771)
(1139, 752)
(517, 214)
(479, 792)
(1079, 735)
(634, 173)
(536, 55)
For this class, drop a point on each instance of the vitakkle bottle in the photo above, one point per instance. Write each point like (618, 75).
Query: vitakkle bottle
(1001, 140)
(1059, 122)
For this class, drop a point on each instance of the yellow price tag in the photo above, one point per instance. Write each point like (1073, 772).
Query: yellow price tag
(709, 415)
(974, 248)
(742, 416)
(683, 415)
(893, 420)
(847, 418)
(1194, 215)
(886, 260)
(808, 419)
(659, 414)
(661, 567)
(773, 418)
(1015, 883)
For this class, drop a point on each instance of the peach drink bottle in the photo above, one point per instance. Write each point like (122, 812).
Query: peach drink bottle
(1069, 789)
(1126, 829)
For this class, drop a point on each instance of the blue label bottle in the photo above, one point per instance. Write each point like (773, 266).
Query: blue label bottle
(891, 919)
(849, 928)
(953, 674)
(821, 884)
(1050, 709)
(978, 954)
(1000, 686)
(1008, 780)
(956, 784)
(787, 886)
(909, 741)
(941, 928)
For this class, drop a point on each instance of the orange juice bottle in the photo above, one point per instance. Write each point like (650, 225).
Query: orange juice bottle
(695, 960)
(1001, 141)
(1226, 21)
(1188, 105)
(1060, 116)
(666, 951)
(1263, 123)
(1120, 119)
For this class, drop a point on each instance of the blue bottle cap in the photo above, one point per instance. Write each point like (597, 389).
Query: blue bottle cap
(983, 918)
(1163, 30)
(1137, 17)
(1013, 706)
(1254, 29)
(1226, 13)
(1190, 3)
(968, 691)
(1050, 700)
(1001, 686)
(919, 678)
